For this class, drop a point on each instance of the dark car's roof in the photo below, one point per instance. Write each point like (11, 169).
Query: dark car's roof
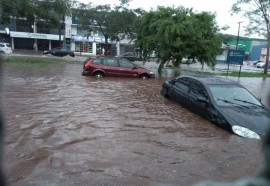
(208, 80)
(105, 57)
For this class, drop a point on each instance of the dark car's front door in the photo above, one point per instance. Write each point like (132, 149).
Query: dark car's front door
(130, 56)
(179, 90)
(60, 52)
(197, 90)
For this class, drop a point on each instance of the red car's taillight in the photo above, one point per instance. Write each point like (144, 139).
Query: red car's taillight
(87, 64)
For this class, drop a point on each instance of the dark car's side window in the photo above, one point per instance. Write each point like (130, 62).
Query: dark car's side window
(183, 84)
(197, 89)
(110, 62)
(128, 54)
(125, 64)
(97, 62)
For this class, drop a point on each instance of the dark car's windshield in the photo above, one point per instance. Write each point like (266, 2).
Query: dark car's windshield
(227, 95)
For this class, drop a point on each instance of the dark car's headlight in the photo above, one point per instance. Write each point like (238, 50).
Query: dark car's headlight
(244, 132)
(151, 72)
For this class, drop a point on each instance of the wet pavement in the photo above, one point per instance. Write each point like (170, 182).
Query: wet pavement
(62, 128)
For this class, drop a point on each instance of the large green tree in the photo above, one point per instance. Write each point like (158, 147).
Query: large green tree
(114, 23)
(49, 11)
(175, 33)
(44, 13)
(257, 12)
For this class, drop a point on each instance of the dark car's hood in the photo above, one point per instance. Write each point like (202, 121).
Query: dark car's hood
(256, 119)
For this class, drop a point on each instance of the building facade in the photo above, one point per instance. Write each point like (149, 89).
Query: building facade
(27, 35)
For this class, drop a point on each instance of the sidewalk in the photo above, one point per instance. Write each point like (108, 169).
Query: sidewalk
(78, 57)
(27, 52)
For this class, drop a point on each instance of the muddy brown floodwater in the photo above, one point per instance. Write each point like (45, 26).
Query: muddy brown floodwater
(65, 129)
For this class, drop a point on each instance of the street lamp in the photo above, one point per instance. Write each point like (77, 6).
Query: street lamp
(238, 34)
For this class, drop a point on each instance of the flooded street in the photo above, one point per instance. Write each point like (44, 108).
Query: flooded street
(62, 128)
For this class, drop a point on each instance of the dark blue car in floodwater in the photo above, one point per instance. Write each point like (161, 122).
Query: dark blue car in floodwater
(224, 102)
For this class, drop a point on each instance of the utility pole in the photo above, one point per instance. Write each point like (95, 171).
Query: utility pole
(64, 32)
(237, 43)
(238, 34)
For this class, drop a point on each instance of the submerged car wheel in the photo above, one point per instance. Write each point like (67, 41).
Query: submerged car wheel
(144, 76)
(164, 93)
(99, 74)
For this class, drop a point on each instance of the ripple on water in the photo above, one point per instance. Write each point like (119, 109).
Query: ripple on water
(84, 128)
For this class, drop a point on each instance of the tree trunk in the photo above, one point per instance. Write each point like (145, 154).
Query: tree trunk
(161, 65)
(59, 32)
(267, 53)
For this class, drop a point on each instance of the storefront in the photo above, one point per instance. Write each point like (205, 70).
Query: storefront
(93, 45)
(25, 40)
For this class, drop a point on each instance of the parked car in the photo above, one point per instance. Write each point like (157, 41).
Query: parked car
(262, 64)
(188, 61)
(114, 67)
(254, 63)
(131, 56)
(5, 48)
(222, 101)
(60, 52)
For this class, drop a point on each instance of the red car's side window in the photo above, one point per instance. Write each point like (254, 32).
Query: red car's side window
(110, 62)
(97, 62)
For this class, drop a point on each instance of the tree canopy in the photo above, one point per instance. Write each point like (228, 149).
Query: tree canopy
(114, 23)
(257, 12)
(175, 33)
(46, 11)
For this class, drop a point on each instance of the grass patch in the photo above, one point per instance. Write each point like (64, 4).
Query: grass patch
(230, 73)
(33, 61)
(248, 74)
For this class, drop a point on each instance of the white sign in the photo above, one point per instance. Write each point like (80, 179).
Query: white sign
(35, 35)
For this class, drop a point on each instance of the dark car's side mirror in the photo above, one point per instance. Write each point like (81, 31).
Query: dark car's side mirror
(173, 81)
(134, 67)
(202, 100)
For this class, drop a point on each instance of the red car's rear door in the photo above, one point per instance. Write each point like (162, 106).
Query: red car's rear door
(111, 68)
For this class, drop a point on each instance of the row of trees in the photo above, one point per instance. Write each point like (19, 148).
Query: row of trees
(169, 32)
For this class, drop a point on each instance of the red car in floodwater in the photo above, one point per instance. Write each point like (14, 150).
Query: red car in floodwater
(114, 67)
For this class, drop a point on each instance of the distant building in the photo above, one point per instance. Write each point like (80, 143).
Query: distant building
(258, 53)
(27, 35)
(251, 46)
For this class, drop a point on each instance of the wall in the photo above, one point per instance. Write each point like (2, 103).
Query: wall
(255, 54)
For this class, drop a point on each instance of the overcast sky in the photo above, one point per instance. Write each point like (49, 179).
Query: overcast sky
(220, 7)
